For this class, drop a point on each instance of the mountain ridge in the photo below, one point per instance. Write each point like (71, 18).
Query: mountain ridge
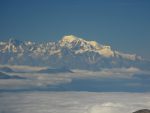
(70, 52)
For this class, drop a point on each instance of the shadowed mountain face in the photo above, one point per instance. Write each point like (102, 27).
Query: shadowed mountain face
(70, 52)
(142, 111)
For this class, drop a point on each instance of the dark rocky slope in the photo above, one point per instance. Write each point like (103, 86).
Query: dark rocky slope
(142, 111)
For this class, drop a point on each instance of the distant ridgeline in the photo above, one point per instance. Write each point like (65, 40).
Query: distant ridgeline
(69, 52)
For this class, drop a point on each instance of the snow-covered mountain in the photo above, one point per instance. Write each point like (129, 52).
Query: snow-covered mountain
(69, 52)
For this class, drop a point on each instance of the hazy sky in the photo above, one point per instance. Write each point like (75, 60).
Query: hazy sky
(123, 24)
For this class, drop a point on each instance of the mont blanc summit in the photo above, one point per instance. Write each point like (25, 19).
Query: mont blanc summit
(70, 51)
(82, 45)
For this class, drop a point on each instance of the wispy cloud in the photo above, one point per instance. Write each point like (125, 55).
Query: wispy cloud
(41, 80)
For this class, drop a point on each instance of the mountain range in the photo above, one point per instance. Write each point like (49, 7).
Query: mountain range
(69, 52)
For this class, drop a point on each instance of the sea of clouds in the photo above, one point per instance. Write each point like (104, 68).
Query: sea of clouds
(72, 102)
(68, 92)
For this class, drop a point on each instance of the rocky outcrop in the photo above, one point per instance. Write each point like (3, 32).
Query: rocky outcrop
(142, 111)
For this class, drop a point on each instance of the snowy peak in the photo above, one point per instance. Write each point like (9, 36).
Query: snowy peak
(69, 38)
(71, 41)
(75, 40)
(79, 45)
(15, 42)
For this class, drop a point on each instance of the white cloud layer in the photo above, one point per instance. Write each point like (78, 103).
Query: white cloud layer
(72, 102)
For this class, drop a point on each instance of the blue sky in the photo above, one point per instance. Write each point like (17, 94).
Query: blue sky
(123, 24)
